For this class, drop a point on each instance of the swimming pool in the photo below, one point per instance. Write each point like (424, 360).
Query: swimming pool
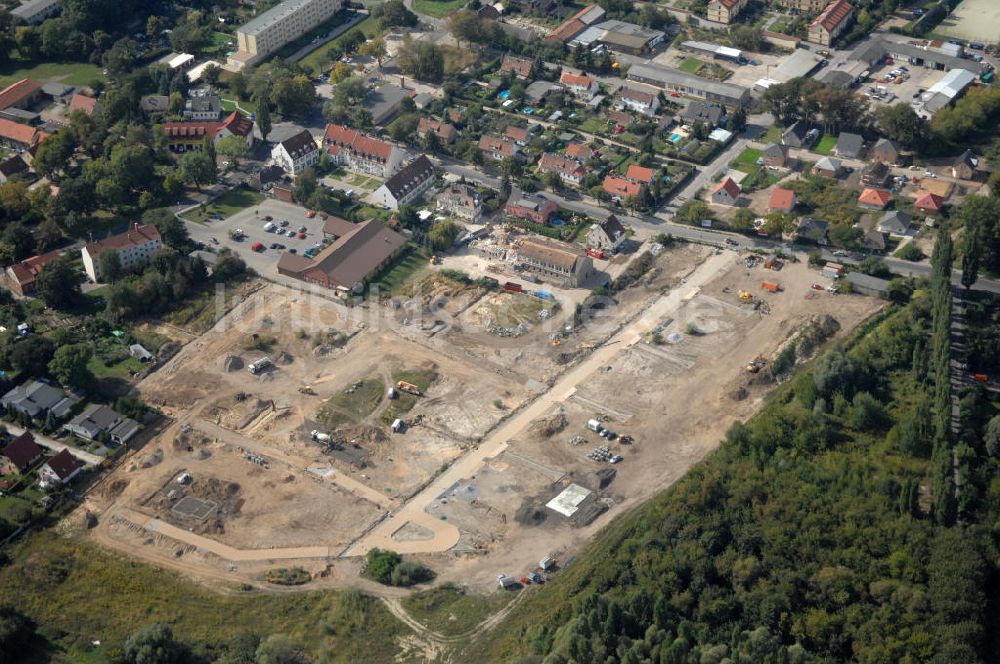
(504, 94)
(676, 137)
(557, 223)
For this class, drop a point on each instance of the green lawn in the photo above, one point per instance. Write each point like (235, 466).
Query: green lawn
(352, 405)
(397, 276)
(747, 161)
(452, 611)
(404, 401)
(219, 43)
(691, 65)
(118, 370)
(825, 145)
(438, 8)
(70, 73)
(229, 105)
(772, 135)
(317, 60)
(594, 126)
(227, 205)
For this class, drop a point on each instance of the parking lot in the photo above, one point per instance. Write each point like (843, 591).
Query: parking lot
(216, 234)
(916, 80)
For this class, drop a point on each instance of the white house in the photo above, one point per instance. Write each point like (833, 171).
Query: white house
(580, 85)
(296, 153)
(607, 235)
(407, 185)
(59, 469)
(637, 100)
(135, 247)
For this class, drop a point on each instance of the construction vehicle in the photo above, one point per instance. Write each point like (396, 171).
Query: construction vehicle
(307, 389)
(260, 365)
(435, 260)
(770, 286)
(409, 388)
(755, 365)
(745, 296)
(320, 437)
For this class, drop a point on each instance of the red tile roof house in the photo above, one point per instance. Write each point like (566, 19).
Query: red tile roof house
(782, 200)
(637, 173)
(19, 454)
(497, 148)
(520, 135)
(931, 203)
(619, 187)
(19, 136)
(534, 208)
(184, 136)
(580, 152)
(79, 102)
(874, 199)
(135, 247)
(362, 154)
(520, 67)
(726, 192)
(569, 170)
(580, 85)
(59, 469)
(445, 132)
(21, 94)
(21, 276)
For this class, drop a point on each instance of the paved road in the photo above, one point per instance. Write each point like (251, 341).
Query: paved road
(446, 535)
(57, 445)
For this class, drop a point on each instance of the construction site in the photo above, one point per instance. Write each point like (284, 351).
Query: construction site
(303, 432)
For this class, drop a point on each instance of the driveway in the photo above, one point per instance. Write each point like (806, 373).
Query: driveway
(58, 446)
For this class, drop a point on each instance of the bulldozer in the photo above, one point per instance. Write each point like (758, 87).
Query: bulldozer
(755, 365)
(745, 296)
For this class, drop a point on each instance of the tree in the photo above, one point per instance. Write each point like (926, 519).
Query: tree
(280, 649)
(374, 48)
(442, 235)
(31, 356)
(991, 439)
(196, 168)
(900, 123)
(69, 366)
(58, 284)
(263, 116)
(211, 74)
(422, 60)
(293, 95)
(238, 86)
(16, 631)
(305, 185)
(834, 373)
(394, 14)
(234, 148)
(154, 644)
(109, 266)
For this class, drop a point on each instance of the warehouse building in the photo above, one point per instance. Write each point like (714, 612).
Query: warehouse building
(669, 78)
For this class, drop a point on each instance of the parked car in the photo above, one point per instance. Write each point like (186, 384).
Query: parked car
(284, 222)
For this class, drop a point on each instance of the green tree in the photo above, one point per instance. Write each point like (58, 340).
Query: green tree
(154, 644)
(109, 266)
(69, 366)
(196, 168)
(234, 148)
(31, 356)
(305, 185)
(263, 116)
(442, 235)
(58, 284)
(900, 123)
(280, 649)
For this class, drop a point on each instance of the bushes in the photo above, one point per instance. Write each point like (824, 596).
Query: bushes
(288, 576)
(389, 568)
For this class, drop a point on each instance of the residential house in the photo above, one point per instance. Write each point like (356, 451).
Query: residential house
(87, 105)
(270, 30)
(536, 92)
(621, 119)
(568, 170)
(725, 11)
(875, 175)
(19, 136)
(895, 222)
(535, 208)
(100, 422)
(813, 230)
(151, 104)
(23, 94)
(520, 135)
(942, 188)
(884, 151)
(139, 352)
(206, 107)
(135, 248)
(461, 201)
(519, 67)
(968, 167)
(498, 148)
(445, 132)
(726, 192)
(782, 200)
(580, 85)
(775, 156)
(350, 261)
(407, 185)
(799, 135)
(21, 276)
(13, 167)
(874, 199)
(19, 454)
(646, 103)
(296, 153)
(872, 238)
(37, 399)
(581, 152)
(849, 145)
(828, 167)
(642, 174)
(59, 469)
(609, 235)
(558, 261)
(929, 203)
(383, 103)
(703, 112)
(831, 22)
(185, 136)
(360, 153)
(620, 188)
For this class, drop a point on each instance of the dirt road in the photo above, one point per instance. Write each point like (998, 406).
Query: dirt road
(446, 535)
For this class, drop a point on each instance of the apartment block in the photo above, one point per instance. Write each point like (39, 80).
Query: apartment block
(278, 26)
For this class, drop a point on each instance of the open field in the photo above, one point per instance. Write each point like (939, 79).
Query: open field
(974, 20)
(226, 205)
(69, 73)
(235, 487)
(438, 8)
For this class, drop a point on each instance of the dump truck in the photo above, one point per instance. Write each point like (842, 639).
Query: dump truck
(770, 286)
(320, 437)
(409, 388)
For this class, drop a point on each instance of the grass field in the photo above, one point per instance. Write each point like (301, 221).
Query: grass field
(404, 401)
(69, 73)
(353, 405)
(397, 276)
(438, 8)
(691, 65)
(747, 161)
(975, 20)
(59, 579)
(317, 59)
(117, 370)
(772, 135)
(450, 611)
(227, 205)
(825, 145)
